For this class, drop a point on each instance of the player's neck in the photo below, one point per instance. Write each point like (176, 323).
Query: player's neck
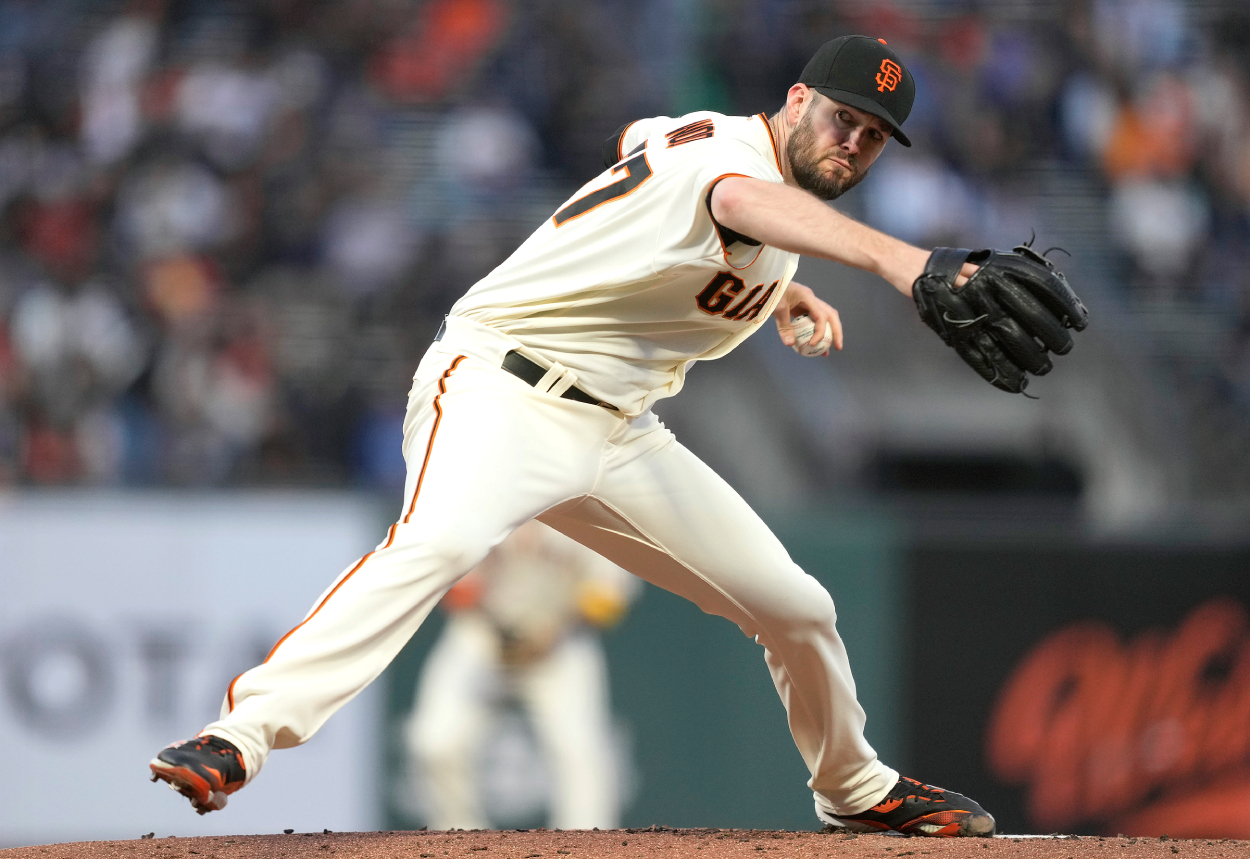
(781, 135)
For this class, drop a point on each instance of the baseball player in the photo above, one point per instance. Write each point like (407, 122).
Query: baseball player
(535, 402)
(519, 627)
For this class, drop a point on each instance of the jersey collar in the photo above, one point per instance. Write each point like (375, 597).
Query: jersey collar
(772, 141)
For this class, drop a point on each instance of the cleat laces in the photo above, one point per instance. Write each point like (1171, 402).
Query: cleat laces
(918, 791)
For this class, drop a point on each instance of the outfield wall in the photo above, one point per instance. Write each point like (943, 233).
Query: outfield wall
(1069, 684)
(124, 616)
(1086, 686)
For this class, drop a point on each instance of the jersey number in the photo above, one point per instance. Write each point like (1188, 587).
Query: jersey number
(637, 170)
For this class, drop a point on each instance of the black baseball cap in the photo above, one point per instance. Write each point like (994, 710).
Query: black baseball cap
(864, 73)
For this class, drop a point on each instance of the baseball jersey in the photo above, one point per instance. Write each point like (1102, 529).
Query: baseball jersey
(631, 280)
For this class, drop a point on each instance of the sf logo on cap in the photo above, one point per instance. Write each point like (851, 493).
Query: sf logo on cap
(889, 76)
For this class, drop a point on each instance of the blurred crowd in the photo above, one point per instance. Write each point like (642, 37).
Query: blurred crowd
(228, 230)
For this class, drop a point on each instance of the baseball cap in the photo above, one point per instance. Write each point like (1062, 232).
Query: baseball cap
(867, 75)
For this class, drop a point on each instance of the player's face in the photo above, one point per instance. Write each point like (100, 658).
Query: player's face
(833, 145)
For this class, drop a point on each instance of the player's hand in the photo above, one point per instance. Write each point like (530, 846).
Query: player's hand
(908, 263)
(797, 300)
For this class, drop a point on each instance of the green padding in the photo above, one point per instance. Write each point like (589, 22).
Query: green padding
(709, 736)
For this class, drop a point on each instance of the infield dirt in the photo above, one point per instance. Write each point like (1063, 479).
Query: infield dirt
(630, 844)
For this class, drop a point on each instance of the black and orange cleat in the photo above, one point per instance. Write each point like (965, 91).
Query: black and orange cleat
(204, 769)
(914, 808)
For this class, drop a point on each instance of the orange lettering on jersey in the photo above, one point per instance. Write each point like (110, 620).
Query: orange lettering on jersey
(719, 293)
(889, 77)
(697, 130)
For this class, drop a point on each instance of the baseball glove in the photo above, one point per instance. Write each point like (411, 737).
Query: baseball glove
(1006, 318)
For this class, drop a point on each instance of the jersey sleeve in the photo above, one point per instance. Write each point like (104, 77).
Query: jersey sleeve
(627, 138)
(611, 150)
(702, 164)
(709, 148)
(725, 158)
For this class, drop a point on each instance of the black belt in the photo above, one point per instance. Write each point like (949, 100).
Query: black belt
(530, 373)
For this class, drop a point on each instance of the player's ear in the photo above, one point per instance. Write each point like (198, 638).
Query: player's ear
(795, 99)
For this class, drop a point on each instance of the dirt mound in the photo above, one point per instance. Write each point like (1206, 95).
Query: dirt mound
(631, 843)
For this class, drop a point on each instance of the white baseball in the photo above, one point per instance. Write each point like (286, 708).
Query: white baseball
(803, 328)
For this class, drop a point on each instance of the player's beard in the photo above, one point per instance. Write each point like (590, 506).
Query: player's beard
(805, 164)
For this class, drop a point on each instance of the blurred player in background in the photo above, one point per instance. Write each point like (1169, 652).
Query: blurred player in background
(521, 629)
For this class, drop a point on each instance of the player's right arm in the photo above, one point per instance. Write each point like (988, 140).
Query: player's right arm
(796, 221)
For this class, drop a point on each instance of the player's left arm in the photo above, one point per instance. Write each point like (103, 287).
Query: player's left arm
(799, 299)
(799, 222)
(1002, 316)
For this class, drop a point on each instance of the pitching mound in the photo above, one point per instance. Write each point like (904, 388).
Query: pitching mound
(629, 843)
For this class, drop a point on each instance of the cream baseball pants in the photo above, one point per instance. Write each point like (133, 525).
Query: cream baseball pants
(487, 452)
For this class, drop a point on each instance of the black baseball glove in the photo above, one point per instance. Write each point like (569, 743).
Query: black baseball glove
(1006, 318)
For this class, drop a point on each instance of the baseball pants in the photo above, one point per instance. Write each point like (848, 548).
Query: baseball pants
(487, 452)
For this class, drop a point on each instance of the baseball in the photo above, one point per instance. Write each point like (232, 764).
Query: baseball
(804, 328)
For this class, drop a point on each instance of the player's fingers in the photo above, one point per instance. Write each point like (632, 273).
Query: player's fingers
(819, 314)
(784, 328)
(826, 320)
(966, 272)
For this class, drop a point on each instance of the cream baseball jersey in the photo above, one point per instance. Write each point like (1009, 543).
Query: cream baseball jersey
(631, 280)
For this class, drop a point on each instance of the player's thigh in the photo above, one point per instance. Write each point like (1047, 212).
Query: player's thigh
(665, 516)
(485, 453)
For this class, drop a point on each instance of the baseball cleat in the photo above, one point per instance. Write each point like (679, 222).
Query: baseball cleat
(914, 808)
(204, 769)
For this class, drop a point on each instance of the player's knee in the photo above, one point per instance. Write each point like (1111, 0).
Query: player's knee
(792, 607)
(811, 608)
